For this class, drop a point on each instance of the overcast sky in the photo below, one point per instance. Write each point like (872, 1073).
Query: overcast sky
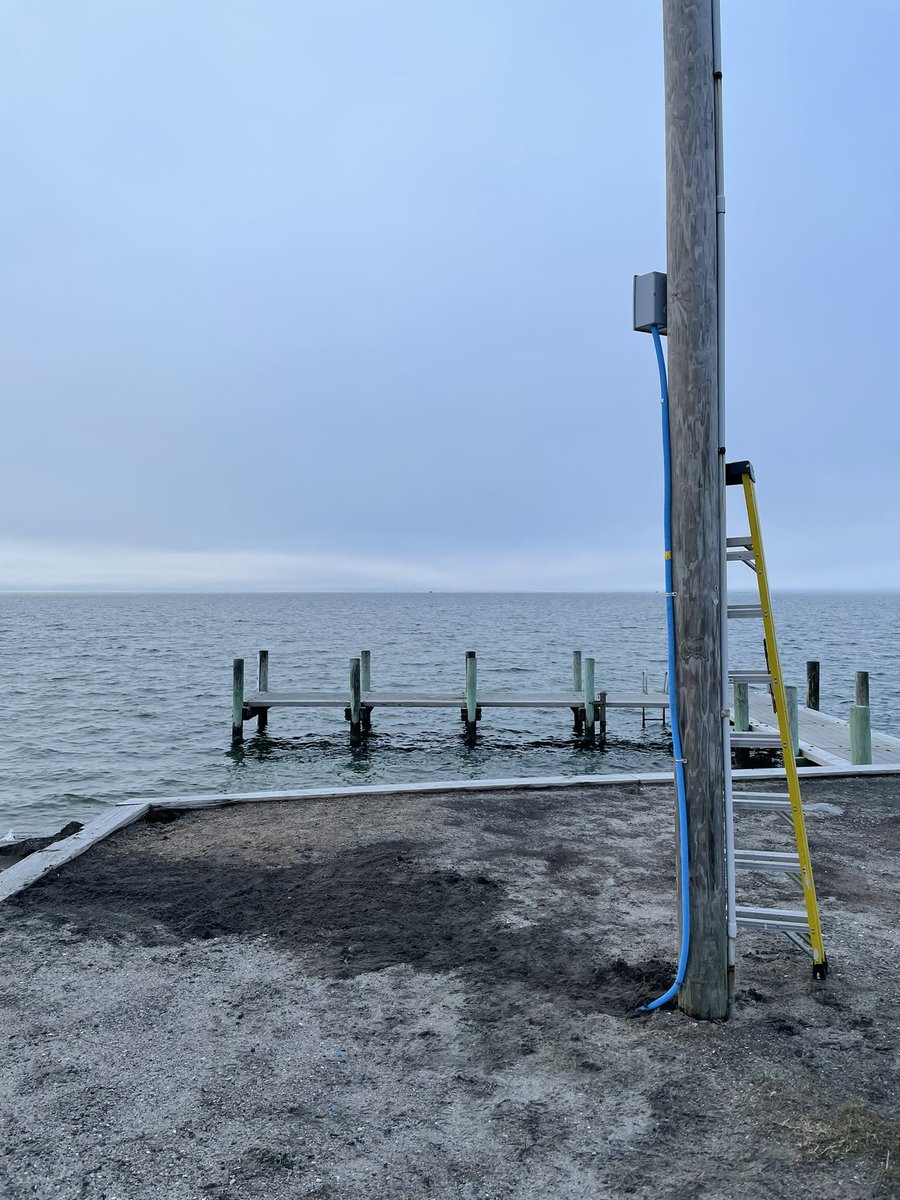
(337, 293)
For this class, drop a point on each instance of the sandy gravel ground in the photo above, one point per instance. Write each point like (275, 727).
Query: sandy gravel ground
(430, 997)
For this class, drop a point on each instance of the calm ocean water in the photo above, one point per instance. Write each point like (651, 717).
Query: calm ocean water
(111, 696)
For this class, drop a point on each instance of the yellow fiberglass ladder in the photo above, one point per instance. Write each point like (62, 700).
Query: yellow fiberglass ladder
(800, 925)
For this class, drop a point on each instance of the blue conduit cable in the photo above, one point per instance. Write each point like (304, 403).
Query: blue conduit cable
(673, 707)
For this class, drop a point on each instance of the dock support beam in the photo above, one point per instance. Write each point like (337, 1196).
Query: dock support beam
(471, 697)
(262, 683)
(697, 482)
(237, 701)
(813, 675)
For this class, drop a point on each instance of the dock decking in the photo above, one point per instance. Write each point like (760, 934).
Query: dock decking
(638, 700)
(824, 740)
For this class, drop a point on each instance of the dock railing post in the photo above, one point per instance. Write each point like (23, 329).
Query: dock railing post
(262, 685)
(355, 702)
(812, 683)
(590, 715)
(793, 711)
(237, 700)
(471, 696)
(741, 707)
(365, 684)
(577, 685)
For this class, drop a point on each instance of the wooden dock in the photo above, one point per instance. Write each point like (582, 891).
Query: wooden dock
(637, 700)
(819, 738)
(587, 701)
(824, 739)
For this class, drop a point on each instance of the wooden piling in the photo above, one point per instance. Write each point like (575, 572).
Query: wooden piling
(262, 684)
(577, 710)
(237, 700)
(696, 496)
(860, 735)
(365, 684)
(812, 684)
(355, 701)
(590, 712)
(471, 696)
(793, 712)
(862, 689)
(741, 707)
(601, 718)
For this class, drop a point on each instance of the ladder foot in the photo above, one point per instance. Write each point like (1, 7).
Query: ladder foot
(820, 970)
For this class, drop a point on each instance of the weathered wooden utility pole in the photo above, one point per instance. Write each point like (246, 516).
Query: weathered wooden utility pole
(696, 498)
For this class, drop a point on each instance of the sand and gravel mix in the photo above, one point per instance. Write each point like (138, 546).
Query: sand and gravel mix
(431, 997)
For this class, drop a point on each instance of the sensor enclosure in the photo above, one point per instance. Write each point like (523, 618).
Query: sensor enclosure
(650, 301)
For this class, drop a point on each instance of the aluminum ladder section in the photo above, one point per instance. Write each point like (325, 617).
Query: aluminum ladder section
(801, 926)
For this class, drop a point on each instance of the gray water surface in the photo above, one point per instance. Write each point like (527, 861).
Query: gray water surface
(110, 696)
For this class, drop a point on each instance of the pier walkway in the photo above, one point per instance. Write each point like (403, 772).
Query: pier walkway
(340, 699)
(824, 740)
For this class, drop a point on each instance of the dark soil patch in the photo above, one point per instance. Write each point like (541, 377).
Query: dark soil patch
(368, 908)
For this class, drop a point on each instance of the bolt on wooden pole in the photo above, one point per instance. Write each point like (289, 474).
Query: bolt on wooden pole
(697, 532)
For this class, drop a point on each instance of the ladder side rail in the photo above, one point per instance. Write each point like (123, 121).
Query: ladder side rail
(781, 712)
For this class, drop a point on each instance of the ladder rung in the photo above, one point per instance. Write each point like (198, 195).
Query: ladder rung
(772, 918)
(755, 741)
(767, 860)
(750, 676)
(745, 610)
(740, 556)
(762, 801)
(743, 540)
